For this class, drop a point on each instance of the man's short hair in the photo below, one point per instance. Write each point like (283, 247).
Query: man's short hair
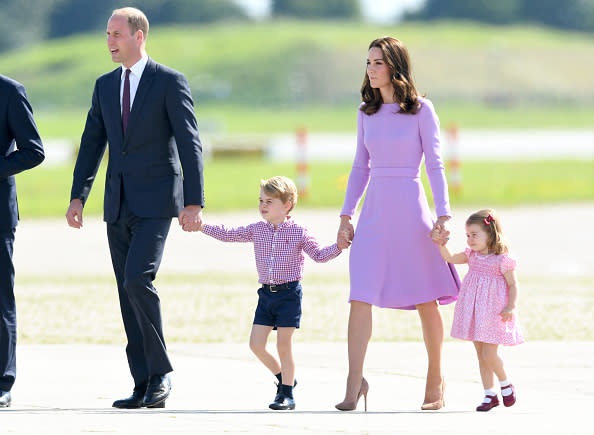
(136, 19)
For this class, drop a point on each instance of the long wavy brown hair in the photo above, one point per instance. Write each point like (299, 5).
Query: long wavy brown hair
(488, 220)
(405, 93)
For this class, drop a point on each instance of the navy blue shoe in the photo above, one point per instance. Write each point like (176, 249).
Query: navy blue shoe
(282, 403)
(5, 399)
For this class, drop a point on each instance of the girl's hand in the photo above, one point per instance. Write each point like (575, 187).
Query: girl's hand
(439, 233)
(507, 314)
(440, 236)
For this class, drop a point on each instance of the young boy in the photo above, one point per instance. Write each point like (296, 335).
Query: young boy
(279, 244)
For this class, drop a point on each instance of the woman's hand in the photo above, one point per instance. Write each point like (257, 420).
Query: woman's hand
(346, 232)
(439, 233)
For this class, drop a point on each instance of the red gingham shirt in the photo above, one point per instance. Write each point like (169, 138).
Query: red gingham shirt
(279, 252)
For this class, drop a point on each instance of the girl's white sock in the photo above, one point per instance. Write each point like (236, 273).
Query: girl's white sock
(505, 388)
(489, 392)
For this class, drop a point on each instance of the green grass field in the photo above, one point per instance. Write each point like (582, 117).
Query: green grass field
(273, 76)
(196, 309)
(235, 119)
(233, 184)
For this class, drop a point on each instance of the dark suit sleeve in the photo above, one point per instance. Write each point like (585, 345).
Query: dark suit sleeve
(29, 149)
(92, 147)
(180, 109)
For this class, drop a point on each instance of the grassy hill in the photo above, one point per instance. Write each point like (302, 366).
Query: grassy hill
(268, 77)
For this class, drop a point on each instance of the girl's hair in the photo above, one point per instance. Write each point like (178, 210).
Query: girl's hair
(488, 220)
(280, 187)
(405, 93)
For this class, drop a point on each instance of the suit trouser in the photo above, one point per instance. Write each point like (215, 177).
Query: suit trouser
(136, 245)
(8, 325)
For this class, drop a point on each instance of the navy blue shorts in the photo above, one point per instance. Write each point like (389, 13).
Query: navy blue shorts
(281, 308)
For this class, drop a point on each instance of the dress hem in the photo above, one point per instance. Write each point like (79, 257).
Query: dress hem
(442, 300)
(489, 342)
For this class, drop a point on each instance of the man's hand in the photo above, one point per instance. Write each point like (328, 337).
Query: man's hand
(190, 218)
(74, 214)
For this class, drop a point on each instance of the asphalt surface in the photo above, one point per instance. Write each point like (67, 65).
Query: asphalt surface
(222, 388)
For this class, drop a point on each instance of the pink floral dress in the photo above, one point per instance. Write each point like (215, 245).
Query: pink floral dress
(483, 295)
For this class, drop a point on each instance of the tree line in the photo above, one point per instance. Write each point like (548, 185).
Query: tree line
(563, 14)
(23, 22)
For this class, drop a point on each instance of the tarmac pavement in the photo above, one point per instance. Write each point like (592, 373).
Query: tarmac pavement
(222, 388)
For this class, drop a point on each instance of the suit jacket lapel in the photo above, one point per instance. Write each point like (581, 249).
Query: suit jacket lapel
(112, 102)
(143, 89)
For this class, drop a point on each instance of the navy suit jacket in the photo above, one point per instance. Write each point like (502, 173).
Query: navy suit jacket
(17, 127)
(145, 162)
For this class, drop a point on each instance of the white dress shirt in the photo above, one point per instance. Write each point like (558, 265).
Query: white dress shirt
(135, 74)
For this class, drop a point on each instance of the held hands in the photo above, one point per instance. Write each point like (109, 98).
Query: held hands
(346, 232)
(439, 234)
(190, 218)
(74, 214)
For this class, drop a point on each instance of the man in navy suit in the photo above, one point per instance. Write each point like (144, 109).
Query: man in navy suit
(20, 149)
(145, 112)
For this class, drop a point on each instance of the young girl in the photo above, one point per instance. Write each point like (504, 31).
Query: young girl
(485, 310)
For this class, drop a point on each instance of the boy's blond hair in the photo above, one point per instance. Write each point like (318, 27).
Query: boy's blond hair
(280, 187)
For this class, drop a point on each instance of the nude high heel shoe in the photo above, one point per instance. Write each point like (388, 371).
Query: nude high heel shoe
(438, 404)
(351, 405)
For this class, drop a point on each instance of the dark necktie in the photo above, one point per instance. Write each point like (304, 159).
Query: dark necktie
(126, 101)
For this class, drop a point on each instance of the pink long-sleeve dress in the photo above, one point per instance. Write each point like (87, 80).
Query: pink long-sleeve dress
(393, 262)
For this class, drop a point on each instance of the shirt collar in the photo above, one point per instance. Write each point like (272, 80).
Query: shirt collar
(137, 68)
(288, 222)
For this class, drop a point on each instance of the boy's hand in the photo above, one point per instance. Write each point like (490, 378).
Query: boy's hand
(190, 218)
(346, 232)
(342, 240)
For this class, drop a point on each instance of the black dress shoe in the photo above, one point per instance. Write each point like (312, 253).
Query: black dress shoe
(132, 402)
(5, 399)
(157, 391)
(282, 403)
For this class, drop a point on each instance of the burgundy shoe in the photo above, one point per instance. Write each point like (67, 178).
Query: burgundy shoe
(488, 406)
(511, 399)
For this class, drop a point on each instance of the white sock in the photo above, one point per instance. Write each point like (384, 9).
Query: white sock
(489, 392)
(505, 388)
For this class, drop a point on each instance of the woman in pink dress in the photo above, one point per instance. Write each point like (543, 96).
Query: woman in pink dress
(393, 262)
(485, 311)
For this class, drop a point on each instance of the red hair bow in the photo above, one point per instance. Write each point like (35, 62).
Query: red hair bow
(488, 220)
